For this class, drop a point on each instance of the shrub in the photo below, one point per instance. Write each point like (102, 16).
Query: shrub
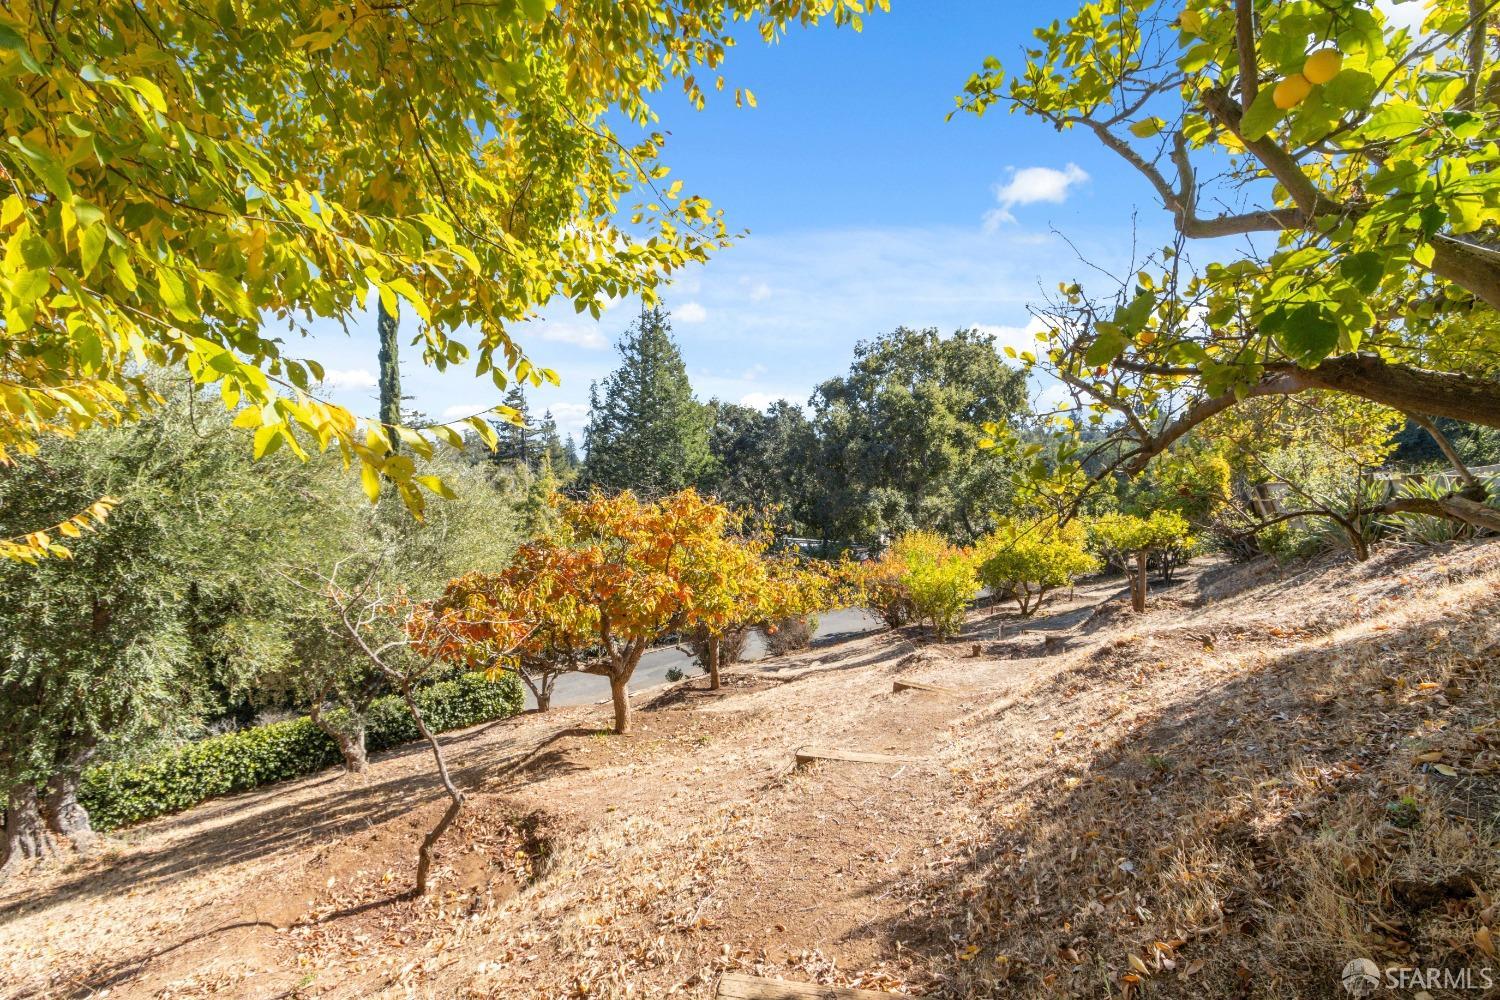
(787, 635)
(796, 590)
(1025, 563)
(924, 579)
(117, 794)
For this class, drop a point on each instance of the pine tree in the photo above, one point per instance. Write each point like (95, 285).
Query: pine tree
(646, 432)
(562, 458)
(517, 443)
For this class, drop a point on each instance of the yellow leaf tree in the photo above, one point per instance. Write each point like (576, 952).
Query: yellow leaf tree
(191, 185)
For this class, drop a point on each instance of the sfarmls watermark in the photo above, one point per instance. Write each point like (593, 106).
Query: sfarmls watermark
(1362, 977)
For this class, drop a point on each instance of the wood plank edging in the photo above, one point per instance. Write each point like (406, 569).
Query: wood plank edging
(735, 986)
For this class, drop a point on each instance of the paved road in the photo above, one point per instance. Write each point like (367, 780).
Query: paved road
(585, 689)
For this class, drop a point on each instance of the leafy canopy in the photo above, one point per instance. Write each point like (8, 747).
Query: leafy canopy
(182, 178)
(1358, 159)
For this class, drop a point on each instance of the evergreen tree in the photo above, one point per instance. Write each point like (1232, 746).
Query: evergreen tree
(563, 458)
(646, 432)
(517, 442)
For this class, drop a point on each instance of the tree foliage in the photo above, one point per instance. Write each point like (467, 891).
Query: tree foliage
(181, 178)
(646, 432)
(1368, 187)
(896, 438)
(1024, 562)
(921, 579)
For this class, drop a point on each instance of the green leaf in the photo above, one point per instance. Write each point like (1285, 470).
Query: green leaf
(1146, 128)
(1262, 115)
(1363, 270)
(1309, 335)
(1394, 120)
(1105, 348)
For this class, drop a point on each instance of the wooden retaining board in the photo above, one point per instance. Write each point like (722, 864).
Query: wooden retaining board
(733, 986)
(807, 755)
(899, 686)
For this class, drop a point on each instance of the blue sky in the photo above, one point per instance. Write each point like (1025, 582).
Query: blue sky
(865, 210)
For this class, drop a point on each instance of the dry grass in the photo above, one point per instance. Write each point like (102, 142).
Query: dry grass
(1267, 775)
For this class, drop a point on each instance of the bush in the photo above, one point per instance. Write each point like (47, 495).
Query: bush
(787, 635)
(117, 794)
(1025, 563)
(922, 578)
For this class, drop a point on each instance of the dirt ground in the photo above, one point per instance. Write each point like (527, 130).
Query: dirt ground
(1273, 771)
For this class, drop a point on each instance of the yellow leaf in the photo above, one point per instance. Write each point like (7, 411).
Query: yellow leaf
(370, 480)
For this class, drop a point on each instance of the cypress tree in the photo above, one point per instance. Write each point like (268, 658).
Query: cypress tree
(646, 432)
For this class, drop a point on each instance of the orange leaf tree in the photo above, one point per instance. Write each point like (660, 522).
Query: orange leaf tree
(618, 574)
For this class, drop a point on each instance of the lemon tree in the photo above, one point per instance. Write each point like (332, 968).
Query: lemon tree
(1356, 164)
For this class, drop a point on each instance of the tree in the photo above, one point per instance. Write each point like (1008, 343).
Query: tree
(1127, 542)
(617, 575)
(182, 177)
(896, 437)
(1362, 151)
(166, 606)
(1027, 562)
(403, 640)
(476, 530)
(646, 432)
(759, 458)
(516, 440)
(728, 585)
(387, 327)
(561, 458)
(797, 591)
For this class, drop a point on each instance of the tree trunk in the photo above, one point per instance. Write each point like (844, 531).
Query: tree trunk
(352, 747)
(390, 372)
(713, 663)
(1138, 584)
(26, 835)
(351, 744)
(66, 816)
(456, 798)
(619, 690)
(543, 699)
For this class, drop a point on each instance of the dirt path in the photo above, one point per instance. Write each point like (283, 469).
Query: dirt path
(1088, 760)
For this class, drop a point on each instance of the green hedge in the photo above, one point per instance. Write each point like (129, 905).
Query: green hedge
(118, 794)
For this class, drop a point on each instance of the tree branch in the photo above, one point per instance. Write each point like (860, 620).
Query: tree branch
(1244, 39)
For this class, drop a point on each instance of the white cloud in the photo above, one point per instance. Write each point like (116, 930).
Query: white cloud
(752, 373)
(690, 312)
(588, 337)
(1029, 186)
(758, 400)
(760, 292)
(349, 378)
(1022, 338)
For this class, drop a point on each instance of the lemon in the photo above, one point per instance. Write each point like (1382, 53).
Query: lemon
(1292, 91)
(1192, 21)
(1323, 65)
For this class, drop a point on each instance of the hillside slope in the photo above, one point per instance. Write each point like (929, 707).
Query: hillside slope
(1270, 773)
